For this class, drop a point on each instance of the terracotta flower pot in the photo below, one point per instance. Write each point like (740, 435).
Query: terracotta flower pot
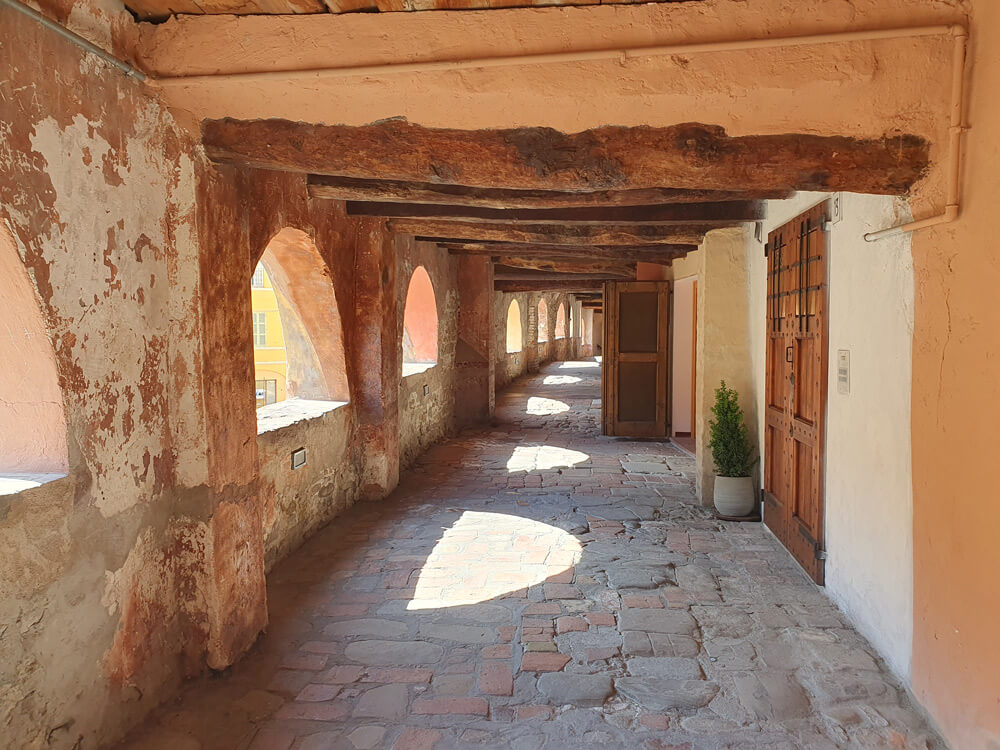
(734, 496)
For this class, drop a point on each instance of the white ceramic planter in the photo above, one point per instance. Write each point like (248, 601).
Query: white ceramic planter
(734, 496)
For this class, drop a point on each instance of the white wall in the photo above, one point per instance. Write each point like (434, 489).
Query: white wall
(869, 500)
(683, 317)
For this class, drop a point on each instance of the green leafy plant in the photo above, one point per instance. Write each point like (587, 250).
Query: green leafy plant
(732, 450)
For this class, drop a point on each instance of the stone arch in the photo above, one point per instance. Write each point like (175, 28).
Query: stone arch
(33, 436)
(310, 322)
(514, 341)
(543, 321)
(561, 321)
(420, 323)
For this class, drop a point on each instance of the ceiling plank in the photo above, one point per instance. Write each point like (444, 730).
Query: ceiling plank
(689, 155)
(723, 213)
(335, 187)
(554, 234)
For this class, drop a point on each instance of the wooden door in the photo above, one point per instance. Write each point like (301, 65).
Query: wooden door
(796, 385)
(634, 384)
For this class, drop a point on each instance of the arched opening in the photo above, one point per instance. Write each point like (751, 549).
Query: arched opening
(543, 322)
(33, 444)
(513, 327)
(298, 342)
(420, 324)
(561, 322)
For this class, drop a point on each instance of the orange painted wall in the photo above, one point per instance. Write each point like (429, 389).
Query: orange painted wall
(956, 431)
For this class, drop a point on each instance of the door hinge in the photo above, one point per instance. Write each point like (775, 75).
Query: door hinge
(819, 552)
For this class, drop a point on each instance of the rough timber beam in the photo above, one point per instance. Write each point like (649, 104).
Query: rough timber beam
(680, 156)
(333, 187)
(560, 285)
(569, 265)
(499, 275)
(723, 214)
(623, 253)
(554, 234)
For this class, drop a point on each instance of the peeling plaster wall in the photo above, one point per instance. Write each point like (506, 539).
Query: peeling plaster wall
(97, 187)
(427, 419)
(868, 484)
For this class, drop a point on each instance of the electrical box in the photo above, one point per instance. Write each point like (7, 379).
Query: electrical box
(843, 371)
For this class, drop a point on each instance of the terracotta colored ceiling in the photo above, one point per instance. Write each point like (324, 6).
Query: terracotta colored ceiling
(159, 9)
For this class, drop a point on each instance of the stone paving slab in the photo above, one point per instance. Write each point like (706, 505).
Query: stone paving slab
(536, 585)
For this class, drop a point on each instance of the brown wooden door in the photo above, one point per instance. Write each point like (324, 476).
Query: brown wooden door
(634, 398)
(796, 384)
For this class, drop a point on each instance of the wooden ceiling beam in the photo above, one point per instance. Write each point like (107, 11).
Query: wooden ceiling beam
(556, 276)
(334, 187)
(554, 285)
(722, 214)
(553, 234)
(689, 155)
(569, 265)
(664, 254)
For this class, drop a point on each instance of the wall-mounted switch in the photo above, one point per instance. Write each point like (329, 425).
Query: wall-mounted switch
(298, 458)
(844, 371)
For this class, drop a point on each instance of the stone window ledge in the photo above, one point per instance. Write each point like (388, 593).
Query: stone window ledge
(292, 411)
(415, 368)
(13, 482)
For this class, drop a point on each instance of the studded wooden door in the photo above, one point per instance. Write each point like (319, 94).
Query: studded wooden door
(796, 385)
(634, 382)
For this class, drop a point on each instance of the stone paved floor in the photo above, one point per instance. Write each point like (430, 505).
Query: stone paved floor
(537, 585)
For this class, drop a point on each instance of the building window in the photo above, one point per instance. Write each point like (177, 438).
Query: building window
(259, 328)
(267, 392)
(259, 279)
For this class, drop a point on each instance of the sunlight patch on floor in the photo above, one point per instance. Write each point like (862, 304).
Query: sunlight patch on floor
(543, 457)
(486, 555)
(561, 379)
(578, 365)
(545, 406)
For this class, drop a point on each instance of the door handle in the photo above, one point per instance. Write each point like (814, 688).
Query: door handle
(788, 354)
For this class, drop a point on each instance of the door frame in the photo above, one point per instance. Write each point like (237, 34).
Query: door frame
(788, 527)
(612, 357)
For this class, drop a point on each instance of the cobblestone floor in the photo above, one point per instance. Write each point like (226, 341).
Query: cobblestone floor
(536, 585)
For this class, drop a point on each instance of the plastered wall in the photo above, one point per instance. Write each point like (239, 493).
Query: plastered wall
(868, 484)
(956, 407)
(723, 345)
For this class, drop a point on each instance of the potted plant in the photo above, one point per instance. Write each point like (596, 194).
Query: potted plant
(734, 455)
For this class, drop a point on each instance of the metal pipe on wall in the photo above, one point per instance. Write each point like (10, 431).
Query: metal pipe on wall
(75, 38)
(955, 131)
